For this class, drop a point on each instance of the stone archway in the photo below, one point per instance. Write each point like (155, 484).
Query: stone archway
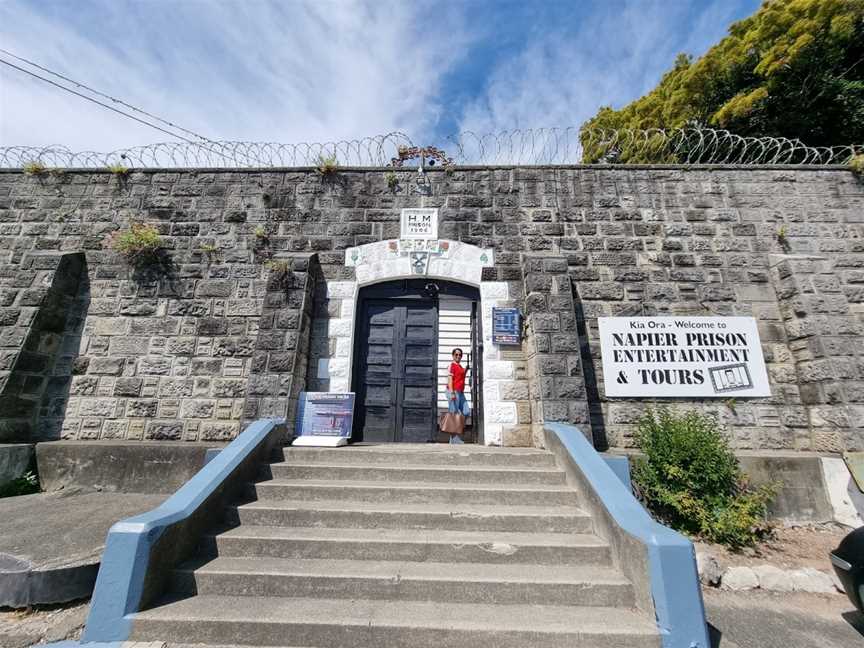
(391, 260)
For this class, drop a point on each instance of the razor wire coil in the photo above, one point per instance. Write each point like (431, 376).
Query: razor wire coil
(540, 146)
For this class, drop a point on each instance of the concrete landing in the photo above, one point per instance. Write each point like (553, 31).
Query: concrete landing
(51, 543)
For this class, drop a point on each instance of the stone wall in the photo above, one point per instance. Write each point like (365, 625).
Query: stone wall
(189, 351)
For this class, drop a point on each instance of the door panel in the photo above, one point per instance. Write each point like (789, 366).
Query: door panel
(397, 372)
(377, 393)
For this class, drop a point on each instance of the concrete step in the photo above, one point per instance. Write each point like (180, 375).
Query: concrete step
(361, 623)
(407, 581)
(308, 490)
(408, 545)
(376, 515)
(414, 473)
(396, 454)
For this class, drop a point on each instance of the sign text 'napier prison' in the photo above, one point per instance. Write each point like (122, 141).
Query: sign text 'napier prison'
(682, 357)
(419, 224)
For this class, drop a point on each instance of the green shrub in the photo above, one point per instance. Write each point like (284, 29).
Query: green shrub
(857, 165)
(139, 245)
(27, 484)
(690, 479)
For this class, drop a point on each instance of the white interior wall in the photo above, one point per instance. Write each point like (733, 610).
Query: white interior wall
(454, 330)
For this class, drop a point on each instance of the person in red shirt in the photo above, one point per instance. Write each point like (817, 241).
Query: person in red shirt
(456, 391)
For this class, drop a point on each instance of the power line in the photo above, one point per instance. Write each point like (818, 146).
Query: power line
(97, 92)
(83, 96)
(201, 144)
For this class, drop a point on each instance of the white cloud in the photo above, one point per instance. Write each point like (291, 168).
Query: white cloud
(269, 71)
(617, 54)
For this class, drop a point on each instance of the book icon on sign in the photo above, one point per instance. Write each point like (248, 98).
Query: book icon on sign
(730, 378)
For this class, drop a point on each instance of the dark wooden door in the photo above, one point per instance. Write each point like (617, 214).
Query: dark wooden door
(397, 371)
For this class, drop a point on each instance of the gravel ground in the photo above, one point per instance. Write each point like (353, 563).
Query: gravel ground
(42, 624)
(788, 548)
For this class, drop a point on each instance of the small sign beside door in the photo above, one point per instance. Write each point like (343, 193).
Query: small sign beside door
(506, 326)
(325, 414)
(419, 224)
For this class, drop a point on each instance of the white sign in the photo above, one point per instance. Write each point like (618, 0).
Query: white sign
(682, 357)
(419, 224)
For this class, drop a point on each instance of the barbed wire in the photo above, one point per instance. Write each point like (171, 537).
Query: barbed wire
(541, 146)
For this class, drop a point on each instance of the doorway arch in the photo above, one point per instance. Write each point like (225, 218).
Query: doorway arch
(334, 331)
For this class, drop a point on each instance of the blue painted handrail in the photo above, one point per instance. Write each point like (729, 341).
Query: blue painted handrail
(133, 556)
(675, 589)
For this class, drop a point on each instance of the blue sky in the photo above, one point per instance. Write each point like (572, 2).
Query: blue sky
(293, 71)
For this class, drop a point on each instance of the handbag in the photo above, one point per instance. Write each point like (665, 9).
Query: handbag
(452, 423)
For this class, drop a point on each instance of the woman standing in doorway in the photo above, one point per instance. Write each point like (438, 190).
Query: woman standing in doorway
(456, 392)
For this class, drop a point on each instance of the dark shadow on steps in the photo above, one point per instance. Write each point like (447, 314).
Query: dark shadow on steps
(855, 619)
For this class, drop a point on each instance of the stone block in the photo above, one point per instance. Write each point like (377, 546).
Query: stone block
(219, 431)
(516, 436)
(197, 408)
(176, 387)
(206, 366)
(709, 569)
(99, 407)
(739, 578)
(154, 366)
(498, 370)
(812, 580)
(544, 322)
(128, 386)
(501, 412)
(83, 386)
(142, 408)
(511, 391)
(164, 430)
(128, 346)
(773, 579)
(215, 288)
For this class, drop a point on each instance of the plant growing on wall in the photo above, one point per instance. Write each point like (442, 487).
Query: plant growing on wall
(783, 237)
(856, 164)
(391, 180)
(210, 252)
(139, 245)
(691, 480)
(34, 168)
(280, 272)
(327, 165)
(118, 170)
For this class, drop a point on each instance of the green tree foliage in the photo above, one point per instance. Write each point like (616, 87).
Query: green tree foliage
(690, 479)
(793, 69)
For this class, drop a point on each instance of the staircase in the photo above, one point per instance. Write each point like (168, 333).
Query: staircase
(408, 546)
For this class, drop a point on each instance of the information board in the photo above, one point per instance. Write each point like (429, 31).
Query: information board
(682, 357)
(506, 326)
(325, 414)
(417, 223)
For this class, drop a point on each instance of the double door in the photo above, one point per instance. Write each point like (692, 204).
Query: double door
(397, 371)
